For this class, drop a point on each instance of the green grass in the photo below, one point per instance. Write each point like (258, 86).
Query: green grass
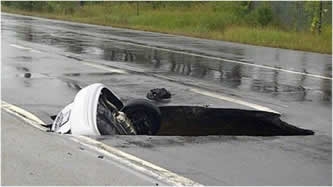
(204, 20)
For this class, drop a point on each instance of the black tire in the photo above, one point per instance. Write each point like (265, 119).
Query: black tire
(145, 116)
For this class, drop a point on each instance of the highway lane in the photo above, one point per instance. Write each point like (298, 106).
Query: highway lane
(32, 158)
(61, 58)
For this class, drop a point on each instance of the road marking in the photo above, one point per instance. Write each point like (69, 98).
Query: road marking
(24, 115)
(200, 91)
(219, 96)
(203, 56)
(129, 160)
(223, 59)
(192, 53)
(103, 67)
(25, 48)
(95, 65)
(136, 163)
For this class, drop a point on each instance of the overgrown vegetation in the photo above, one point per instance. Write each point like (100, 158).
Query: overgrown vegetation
(246, 22)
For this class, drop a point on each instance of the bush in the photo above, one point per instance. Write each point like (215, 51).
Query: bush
(264, 15)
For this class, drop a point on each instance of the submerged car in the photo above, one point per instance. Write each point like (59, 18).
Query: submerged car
(96, 110)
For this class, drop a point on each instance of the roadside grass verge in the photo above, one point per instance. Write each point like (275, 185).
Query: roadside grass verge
(200, 20)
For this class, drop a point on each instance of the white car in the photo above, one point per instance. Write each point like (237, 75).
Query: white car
(97, 111)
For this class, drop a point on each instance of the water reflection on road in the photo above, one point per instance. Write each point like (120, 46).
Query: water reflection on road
(279, 84)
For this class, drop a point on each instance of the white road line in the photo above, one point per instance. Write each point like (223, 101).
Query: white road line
(136, 163)
(203, 92)
(95, 65)
(103, 67)
(200, 91)
(224, 59)
(219, 96)
(24, 115)
(25, 48)
(214, 58)
(129, 160)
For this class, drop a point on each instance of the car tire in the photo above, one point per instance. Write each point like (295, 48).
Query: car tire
(145, 116)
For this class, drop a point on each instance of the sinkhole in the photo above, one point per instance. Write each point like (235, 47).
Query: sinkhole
(202, 121)
(96, 110)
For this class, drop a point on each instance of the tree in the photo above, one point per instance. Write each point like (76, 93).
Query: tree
(315, 10)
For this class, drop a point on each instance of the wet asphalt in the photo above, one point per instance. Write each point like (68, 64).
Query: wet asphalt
(45, 63)
(33, 158)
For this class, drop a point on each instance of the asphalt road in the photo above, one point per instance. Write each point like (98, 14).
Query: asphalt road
(45, 63)
(32, 158)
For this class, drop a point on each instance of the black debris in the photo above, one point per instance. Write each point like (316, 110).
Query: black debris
(27, 75)
(206, 105)
(53, 117)
(100, 156)
(158, 94)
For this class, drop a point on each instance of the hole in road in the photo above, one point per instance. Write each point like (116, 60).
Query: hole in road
(201, 121)
(96, 110)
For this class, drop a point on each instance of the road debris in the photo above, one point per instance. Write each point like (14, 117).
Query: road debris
(158, 94)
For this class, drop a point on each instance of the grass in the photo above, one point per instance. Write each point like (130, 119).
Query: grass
(203, 20)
